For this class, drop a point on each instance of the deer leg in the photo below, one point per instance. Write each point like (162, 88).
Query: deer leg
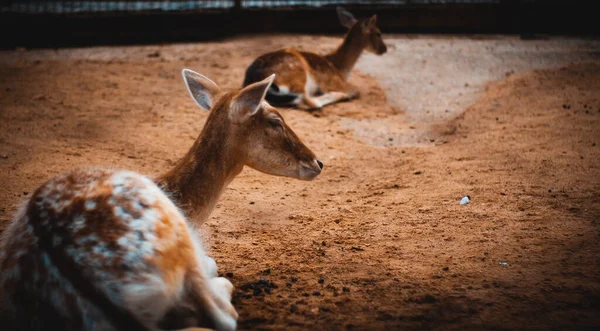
(223, 287)
(211, 300)
(210, 266)
(326, 99)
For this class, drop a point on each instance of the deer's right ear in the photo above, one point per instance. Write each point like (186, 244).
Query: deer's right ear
(202, 89)
(346, 18)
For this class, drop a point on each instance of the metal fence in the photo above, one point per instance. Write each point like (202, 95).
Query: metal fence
(104, 6)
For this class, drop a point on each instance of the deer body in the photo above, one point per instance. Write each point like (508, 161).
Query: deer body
(99, 249)
(102, 249)
(310, 80)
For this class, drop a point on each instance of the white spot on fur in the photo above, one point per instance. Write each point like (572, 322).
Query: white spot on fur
(92, 238)
(90, 205)
(78, 223)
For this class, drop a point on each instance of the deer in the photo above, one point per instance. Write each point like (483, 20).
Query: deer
(311, 81)
(111, 249)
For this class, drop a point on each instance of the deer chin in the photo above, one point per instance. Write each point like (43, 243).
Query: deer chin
(308, 171)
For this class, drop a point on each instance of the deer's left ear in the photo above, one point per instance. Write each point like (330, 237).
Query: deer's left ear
(370, 23)
(248, 101)
(346, 18)
(201, 88)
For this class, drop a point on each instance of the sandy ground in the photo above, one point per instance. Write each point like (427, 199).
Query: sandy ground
(379, 240)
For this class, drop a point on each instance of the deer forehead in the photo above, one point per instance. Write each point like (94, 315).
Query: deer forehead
(270, 112)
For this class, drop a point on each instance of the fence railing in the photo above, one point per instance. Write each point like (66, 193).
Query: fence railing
(104, 6)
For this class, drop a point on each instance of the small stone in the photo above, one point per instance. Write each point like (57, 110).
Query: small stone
(25, 193)
(251, 202)
(345, 289)
(316, 293)
(294, 279)
(465, 200)
(418, 172)
(257, 291)
(445, 268)
(229, 275)
(267, 271)
(321, 280)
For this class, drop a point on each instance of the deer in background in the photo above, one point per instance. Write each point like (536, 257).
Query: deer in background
(312, 81)
(105, 249)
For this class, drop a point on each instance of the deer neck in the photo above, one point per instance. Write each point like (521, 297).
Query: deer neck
(197, 181)
(345, 56)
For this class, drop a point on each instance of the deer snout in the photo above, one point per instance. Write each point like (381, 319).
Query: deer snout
(382, 49)
(309, 170)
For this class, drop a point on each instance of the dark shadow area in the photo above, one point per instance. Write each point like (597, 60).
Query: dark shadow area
(526, 18)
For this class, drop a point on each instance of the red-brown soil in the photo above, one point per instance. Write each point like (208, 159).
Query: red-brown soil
(379, 240)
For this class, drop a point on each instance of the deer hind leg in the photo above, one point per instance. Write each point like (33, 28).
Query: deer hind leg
(210, 266)
(212, 301)
(337, 91)
(326, 99)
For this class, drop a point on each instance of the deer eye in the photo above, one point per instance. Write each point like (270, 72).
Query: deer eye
(275, 123)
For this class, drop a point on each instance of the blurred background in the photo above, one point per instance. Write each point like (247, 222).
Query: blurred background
(29, 23)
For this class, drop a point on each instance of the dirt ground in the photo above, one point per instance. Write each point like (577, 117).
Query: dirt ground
(379, 240)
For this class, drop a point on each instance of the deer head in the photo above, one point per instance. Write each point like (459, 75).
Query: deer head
(255, 132)
(364, 29)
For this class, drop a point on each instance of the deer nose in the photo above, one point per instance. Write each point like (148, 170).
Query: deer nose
(320, 164)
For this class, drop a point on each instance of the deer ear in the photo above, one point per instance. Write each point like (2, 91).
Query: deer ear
(202, 89)
(248, 101)
(346, 18)
(370, 23)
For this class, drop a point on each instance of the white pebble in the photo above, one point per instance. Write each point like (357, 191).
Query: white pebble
(465, 200)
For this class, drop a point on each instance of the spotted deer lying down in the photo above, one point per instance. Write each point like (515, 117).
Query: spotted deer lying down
(105, 249)
(312, 81)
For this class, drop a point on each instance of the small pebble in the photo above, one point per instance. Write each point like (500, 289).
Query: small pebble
(321, 280)
(465, 200)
